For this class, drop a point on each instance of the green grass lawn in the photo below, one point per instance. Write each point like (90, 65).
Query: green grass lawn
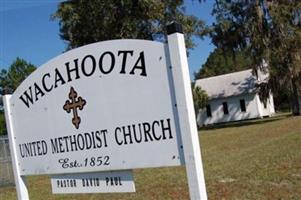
(258, 159)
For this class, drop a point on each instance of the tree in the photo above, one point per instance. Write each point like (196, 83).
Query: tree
(270, 31)
(83, 22)
(200, 98)
(2, 124)
(18, 71)
(221, 62)
(9, 81)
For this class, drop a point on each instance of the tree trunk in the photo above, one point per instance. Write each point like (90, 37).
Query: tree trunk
(295, 98)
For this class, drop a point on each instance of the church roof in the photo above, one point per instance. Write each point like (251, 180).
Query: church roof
(227, 85)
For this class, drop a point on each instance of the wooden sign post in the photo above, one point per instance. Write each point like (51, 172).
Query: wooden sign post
(22, 192)
(186, 113)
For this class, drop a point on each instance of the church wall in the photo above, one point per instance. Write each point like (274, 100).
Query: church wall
(268, 109)
(234, 110)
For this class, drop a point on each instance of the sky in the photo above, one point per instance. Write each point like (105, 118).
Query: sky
(26, 31)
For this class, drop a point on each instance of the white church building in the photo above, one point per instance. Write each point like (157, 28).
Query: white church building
(233, 97)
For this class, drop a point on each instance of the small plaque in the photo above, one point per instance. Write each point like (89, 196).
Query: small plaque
(96, 182)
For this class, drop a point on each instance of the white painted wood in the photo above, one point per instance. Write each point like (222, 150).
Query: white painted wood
(134, 96)
(186, 115)
(21, 188)
(235, 113)
(230, 88)
(259, 105)
(93, 182)
(271, 103)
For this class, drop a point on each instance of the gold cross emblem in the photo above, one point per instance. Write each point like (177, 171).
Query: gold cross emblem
(74, 104)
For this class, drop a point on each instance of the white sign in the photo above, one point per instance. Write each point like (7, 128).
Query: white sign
(104, 106)
(107, 106)
(93, 182)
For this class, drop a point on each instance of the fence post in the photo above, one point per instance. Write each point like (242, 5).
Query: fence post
(21, 188)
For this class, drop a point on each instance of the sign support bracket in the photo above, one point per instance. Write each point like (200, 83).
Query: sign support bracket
(21, 188)
(186, 113)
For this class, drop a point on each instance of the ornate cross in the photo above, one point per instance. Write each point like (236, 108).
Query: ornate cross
(73, 105)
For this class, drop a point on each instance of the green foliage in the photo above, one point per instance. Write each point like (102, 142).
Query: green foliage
(200, 98)
(83, 22)
(2, 124)
(270, 31)
(18, 71)
(10, 79)
(221, 62)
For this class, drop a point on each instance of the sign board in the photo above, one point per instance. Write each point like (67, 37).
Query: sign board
(104, 106)
(107, 106)
(93, 182)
